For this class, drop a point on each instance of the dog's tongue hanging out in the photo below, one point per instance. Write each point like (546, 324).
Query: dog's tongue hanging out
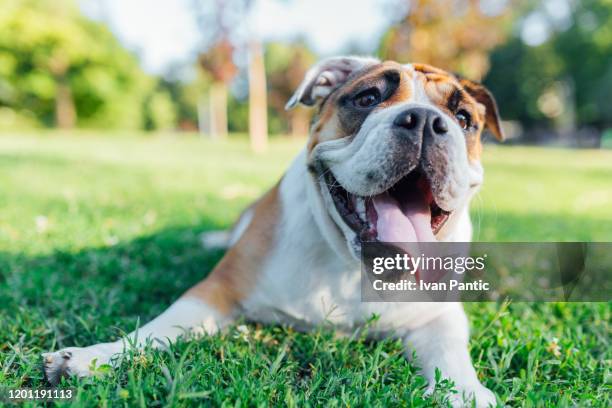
(405, 220)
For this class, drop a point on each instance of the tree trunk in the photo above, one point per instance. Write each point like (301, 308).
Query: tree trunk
(218, 110)
(300, 122)
(65, 113)
(203, 116)
(258, 110)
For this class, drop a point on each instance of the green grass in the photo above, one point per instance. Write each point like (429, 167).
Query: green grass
(96, 233)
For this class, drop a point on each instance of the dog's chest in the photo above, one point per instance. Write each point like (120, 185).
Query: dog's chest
(307, 290)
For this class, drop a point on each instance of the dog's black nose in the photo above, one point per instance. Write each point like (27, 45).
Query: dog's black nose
(421, 120)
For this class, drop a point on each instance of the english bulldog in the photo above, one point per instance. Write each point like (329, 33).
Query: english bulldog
(393, 155)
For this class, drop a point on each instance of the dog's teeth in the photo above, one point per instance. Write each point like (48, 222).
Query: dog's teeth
(360, 207)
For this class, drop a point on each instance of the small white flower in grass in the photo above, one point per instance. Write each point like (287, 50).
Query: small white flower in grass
(243, 332)
(42, 224)
(554, 348)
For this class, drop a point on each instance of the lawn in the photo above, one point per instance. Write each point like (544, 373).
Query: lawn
(96, 233)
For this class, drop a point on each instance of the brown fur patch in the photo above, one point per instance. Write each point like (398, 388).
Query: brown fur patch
(484, 98)
(323, 125)
(327, 126)
(441, 87)
(404, 90)
(236, 274)
(474, 147)
(428, 69)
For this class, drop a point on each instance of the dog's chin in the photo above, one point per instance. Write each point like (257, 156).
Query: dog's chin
(406, 211)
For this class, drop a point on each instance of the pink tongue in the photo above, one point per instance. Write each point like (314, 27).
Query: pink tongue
(412, 223)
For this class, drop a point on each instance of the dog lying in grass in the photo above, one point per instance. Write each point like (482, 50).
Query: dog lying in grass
(393, 155)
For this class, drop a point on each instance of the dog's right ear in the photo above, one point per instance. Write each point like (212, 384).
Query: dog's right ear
(324, 77)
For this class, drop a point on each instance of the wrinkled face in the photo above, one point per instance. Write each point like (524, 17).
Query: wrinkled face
(395, 149)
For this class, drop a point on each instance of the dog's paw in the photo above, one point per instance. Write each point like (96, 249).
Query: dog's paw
(465, 395)
(482, 396)
(72, 361)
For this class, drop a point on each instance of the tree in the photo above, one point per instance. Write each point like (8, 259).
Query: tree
(258, 116)
(219, 21)
(218, 63)
(286, 65)
(67, 69)
(454, 35)
(542, 84)
(222, 24)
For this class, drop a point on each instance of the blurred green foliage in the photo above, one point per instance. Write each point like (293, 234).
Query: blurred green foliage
(572, 67)
(286, 64)
(53, 60)
(61, 69)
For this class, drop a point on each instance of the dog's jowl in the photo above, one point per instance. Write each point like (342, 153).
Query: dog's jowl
(393, 156)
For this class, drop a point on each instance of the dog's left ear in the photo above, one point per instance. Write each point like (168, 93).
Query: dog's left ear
(324, 77)
(484, 97)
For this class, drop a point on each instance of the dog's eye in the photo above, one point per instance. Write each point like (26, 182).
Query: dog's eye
(367, 98)
(464, 118)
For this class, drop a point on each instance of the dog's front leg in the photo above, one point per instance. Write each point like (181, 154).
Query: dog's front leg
(206, 307)
(194, 312)
(443, 344)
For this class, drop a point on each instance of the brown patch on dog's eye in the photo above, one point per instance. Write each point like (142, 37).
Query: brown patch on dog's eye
(448, 94)
(488, 107)
(399, 89)
(454, 100)
(344, 110)
(368, 98)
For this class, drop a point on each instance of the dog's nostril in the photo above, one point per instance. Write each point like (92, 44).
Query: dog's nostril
(439, 126)
(407, 121)
(410, 121)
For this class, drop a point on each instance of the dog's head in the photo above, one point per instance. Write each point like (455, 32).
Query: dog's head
(394, 149)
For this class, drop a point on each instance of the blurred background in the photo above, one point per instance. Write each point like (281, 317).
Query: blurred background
(225, 68)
